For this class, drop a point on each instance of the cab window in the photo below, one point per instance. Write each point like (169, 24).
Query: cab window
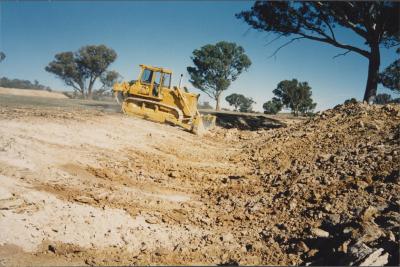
(167, 80)
(157, 78)
(147, 76)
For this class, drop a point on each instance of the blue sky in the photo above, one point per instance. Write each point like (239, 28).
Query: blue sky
(164, 33)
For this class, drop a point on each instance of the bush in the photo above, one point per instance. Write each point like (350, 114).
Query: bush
(205, 105)
(22, 84)
(350, 101)
(272, 106)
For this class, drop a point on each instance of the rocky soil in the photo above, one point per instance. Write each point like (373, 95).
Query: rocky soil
(325, 192)
(87, 187)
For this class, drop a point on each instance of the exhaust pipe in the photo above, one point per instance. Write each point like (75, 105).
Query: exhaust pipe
(180, 81)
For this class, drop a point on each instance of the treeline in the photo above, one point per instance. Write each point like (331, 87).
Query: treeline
(22, 84)
(216, 66)
(380, 99)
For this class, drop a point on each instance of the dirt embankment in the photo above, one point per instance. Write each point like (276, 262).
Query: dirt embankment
(326, 191)
(87, 187)
(32, 93)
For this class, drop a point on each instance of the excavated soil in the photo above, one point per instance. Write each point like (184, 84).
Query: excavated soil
(82, 186)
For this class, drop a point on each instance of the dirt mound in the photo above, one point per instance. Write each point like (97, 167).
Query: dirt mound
(35, 93)
(327, 191)
(90, 187)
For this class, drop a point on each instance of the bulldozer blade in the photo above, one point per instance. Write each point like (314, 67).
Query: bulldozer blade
(118, 96)
(208, 122)
(203, 123)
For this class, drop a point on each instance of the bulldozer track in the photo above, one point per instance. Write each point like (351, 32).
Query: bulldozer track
(180, 115)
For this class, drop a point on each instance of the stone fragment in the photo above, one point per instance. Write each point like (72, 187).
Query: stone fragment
(369, 213)
(376, 258)
(83, 199)
(312, 252)
(52, 248)
(319, 232)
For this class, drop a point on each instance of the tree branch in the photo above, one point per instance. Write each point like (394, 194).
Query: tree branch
(285, 44)
(312, 28)
(330, 40)
(346, 21)
(324, 36)
(208, 93)
(342, 54)
(329, 27)
(337, 44)
(273, 40)
(71, 83)
(392, 45)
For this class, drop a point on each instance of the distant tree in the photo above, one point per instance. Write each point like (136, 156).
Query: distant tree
(216, 67)
(396, 100)
(247, 105)
(235, 100)
(240, 102)
(383, 99)
(204, 105)
(295, 95)
(272, 106)
(81, 69)
(109, 78)
(2, 56)
(350, 101)
(390, 77)
(376, 22)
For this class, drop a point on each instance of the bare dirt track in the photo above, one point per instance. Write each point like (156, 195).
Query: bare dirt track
(81, 185)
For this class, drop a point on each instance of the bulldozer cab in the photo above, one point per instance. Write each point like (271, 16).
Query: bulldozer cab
(154, 80)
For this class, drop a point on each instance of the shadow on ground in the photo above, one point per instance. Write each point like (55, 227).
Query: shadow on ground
(244, 121)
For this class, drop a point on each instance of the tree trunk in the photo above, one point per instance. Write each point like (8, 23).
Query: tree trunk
(90, 93)
(295, 110)
(217, 99)
(82, 92)
(373, 74)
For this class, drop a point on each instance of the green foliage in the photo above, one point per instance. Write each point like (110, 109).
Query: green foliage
(383, 99)
(109, 78)
(2, 56)
(216, 67)
(350, 101)
(272, 106)
(65, 66)
(235, 100)
(247, 105)
(390, 77)
(240, 102)
(295, 95)
(204, 105)
(22, 84)
(81, 69)
(309, 114)
(317, 20)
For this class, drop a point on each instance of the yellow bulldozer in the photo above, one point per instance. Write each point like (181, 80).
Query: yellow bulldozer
(152, 97)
